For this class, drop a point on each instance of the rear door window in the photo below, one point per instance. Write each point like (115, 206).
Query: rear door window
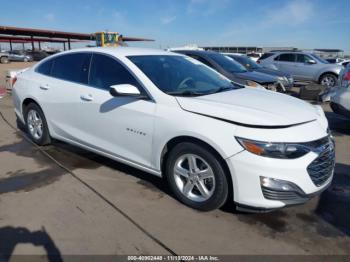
(286, 58)
(72, 67)
(106, 71)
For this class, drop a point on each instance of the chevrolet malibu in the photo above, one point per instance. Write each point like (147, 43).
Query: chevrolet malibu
(172, 116)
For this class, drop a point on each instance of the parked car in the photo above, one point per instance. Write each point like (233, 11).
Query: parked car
(231, 69)
(254, 56)
(285, 80)
(4, 58)
(345, 62)
(18, 55)
(334, 60)
(302, 66)
(37, 55)
(339, 61)
(340, 97)
(172, 116)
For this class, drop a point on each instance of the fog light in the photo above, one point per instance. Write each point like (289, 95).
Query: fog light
(279, 185)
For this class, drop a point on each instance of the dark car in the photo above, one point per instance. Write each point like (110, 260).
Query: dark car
(19, 55)
(232, 69)
(37, 55)
(286, 80)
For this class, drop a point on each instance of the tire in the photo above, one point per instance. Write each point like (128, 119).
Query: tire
(4, 60)
(328, 79)
(36, 121)
(25, 60)
(187, 186)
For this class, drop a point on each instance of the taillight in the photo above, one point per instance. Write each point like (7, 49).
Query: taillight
(14, 79)
(347, 76)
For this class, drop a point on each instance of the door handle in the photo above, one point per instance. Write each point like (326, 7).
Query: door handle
(45, 87)
(86, 97)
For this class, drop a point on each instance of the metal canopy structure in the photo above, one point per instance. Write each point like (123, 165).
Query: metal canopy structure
(9, 34)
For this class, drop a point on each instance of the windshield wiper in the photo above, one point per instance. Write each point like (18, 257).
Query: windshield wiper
(185, 93)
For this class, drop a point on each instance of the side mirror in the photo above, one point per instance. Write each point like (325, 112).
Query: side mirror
(124, 90)
(311, 62)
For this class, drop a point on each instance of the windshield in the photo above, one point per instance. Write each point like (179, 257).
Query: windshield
(227, 63)
(319, 59)
(246, 62)
(180, 75)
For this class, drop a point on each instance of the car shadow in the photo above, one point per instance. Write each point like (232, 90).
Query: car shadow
(114, 103)
(74, 157)
(10, 237)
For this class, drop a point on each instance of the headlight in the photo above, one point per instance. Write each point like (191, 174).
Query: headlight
(254, 84)
(274, 150)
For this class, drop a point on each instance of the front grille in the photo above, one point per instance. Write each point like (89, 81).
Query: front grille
(273, 194)
(322, 167)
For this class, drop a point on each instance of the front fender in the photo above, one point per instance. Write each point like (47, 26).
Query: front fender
(175, 122)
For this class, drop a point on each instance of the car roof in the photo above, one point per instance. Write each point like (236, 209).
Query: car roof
(122, 51)
(199, 52)
(289, 52)
(233, 55)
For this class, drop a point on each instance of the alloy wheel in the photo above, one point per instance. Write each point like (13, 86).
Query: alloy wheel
(194, 177)
(35, 124)
(328, 80)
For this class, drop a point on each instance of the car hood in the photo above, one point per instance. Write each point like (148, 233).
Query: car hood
(251, 107)
(256, 77)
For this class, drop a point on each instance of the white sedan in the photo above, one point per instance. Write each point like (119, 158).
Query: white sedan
(173, 116)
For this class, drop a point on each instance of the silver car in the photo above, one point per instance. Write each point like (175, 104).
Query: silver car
(303, 66)
(340, 97)
(18, 55)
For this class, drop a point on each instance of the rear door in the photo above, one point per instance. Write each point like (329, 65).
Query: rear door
(61, 93)
(286, 63)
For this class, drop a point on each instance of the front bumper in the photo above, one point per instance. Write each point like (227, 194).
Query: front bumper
(247, 169)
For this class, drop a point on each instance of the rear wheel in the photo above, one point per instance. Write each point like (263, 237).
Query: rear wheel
(196, 177)
(4, 60)
(36, 125)
(328, 80)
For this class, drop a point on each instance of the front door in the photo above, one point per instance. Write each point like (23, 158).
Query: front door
(119, 126)
(305, 70)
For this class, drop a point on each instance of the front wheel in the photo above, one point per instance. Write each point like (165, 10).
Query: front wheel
(196, 177)
(36, 125)
(329, 80)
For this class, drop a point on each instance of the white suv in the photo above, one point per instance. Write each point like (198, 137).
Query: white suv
(173, 116)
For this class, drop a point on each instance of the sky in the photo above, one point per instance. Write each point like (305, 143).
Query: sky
(277, 23)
